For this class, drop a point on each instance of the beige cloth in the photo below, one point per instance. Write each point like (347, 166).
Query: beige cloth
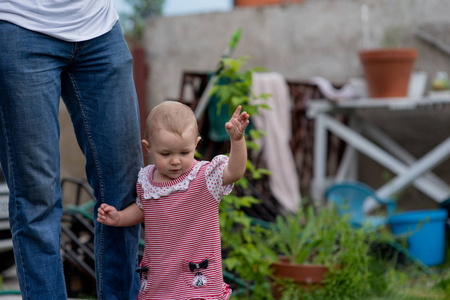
(275, 148)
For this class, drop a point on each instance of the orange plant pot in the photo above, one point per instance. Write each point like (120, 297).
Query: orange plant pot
(306, 276)
(387, 71)
(261, 2)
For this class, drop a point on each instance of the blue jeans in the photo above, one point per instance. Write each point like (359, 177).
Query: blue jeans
(95, 80)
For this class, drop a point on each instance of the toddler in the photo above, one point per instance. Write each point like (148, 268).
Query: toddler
(178, 200)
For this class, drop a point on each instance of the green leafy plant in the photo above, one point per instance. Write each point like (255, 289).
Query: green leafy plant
(306, 238)
(233, 86)
(320, 236)
(246, 255)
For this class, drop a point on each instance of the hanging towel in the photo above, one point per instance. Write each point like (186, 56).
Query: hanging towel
(275, 148)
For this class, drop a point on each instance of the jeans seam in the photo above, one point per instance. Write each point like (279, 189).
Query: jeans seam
(12, 184)
(100, 183)
(74, 55)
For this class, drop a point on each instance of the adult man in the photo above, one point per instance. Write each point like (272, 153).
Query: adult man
(74, 50)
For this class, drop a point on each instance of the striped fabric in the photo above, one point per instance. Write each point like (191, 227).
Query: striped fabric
(182, 226)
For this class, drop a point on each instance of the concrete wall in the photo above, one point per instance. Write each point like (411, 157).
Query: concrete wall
(299, 40)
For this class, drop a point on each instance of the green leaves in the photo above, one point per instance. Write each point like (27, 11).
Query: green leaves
(248, 255)
(243, 240)
(233, 86)
(324, 237)
(307, 238)
(235, 38)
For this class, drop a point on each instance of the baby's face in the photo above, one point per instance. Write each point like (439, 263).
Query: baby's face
(173, 155)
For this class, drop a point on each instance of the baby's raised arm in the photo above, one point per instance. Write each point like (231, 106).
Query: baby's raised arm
(110, 216)
(238, 150)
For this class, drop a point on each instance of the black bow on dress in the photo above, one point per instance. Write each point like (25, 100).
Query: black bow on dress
(202, 265)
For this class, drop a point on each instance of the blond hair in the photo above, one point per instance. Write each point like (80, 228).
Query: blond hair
(172, 116)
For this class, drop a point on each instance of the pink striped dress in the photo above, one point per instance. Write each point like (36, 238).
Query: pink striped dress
(182, 234)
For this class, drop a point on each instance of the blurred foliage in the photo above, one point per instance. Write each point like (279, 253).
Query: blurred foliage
(133, 23)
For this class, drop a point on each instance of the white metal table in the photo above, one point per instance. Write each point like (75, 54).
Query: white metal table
(381, 148)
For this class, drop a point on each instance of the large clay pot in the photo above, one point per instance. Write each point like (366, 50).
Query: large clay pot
(306, 276)
(387, 71)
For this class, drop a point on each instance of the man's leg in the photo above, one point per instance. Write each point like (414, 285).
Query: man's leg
(29, 153)
(99, 93)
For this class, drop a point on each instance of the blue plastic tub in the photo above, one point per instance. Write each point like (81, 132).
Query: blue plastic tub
(427, 229)
(446, 205)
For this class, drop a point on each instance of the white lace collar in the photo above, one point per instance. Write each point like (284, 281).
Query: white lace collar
(155, 190)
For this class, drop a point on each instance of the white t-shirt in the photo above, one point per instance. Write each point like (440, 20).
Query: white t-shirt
(69, 20)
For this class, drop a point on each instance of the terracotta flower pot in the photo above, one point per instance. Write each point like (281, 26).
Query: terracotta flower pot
(388, 70)
(306, 276)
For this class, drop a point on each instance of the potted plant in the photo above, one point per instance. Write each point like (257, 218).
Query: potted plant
(320, 253)
(387, 69)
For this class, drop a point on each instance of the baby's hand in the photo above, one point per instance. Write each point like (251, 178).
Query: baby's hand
(237, 124)
(108, 215)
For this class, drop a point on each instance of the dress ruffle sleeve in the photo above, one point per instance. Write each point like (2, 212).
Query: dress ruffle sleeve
(139, 196)
(214, 177)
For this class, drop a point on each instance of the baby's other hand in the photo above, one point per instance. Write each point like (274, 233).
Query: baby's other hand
(237, 124)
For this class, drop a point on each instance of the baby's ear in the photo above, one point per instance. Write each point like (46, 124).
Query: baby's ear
(199, 138)
(146, 144)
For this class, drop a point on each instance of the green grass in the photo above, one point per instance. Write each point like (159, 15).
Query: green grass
(413, 283)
